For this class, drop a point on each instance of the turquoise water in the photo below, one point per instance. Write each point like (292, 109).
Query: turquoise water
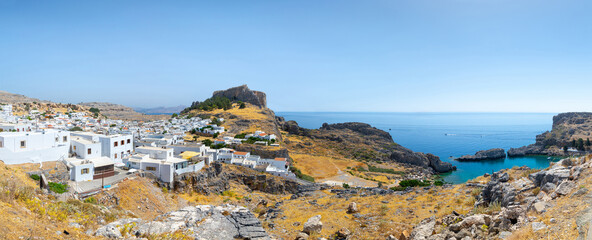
(450, 135)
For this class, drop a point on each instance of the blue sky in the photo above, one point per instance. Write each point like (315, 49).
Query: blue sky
(340, 55)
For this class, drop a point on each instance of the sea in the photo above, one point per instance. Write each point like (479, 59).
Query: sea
(450, 135)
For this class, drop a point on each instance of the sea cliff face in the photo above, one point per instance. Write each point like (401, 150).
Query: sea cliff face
(567, 128)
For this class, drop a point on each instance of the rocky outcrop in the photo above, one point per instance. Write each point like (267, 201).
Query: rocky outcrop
(425, 160)
(495, 153)
(244, 94)
(566, 128)
(497, 190)
(361, 128)
(555, 175)
(217, 178)
(353, 137)
(200, 222)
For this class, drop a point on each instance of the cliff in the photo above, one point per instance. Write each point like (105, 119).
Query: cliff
(567, 129)
(244, 94)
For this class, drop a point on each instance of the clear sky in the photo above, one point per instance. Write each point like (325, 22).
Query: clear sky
(336, 55)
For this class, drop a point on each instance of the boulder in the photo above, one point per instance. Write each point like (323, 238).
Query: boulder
(313, 225)
(343, 233)
(301, 236)
(565, 188)
(424, 229)
(537, 226)
(352, 208)
(391, 237)
(474, 220)
(495, 153)
(548, 187)
(539, 207)
(504, 235)
(580, 192)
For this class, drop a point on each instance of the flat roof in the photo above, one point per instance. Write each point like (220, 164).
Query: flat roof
(102, 161)
(152, 148)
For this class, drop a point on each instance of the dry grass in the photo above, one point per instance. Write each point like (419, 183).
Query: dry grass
(396, 214)
(144, 199)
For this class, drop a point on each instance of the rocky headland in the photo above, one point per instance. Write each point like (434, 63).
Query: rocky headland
(490, 154)
(352, 137)
(567, 130)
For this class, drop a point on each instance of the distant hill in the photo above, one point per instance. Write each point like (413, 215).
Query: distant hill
(160, 110)
(11, 98)
(116, 111)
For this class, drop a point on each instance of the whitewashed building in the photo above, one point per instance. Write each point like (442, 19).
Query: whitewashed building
(117, 147)
(34, 147)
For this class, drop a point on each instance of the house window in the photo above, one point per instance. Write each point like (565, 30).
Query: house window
(74, 148)
(89, 151)
(1, 144)
(150, 168)
(65, 138)
(122, 142)
(84, 171)
(116, 155)
(23, 144)
(128, 141)
(57, 139)
(115, 144)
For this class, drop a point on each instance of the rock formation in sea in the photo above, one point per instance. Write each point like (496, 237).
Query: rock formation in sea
(495, 153)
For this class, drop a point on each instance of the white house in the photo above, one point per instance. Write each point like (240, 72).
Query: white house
(9, 127)
(117, 147)
(85, 148)
(160, 162)
(34, 147)
(90, 169)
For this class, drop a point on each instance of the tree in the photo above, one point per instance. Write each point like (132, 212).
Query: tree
(207, 142)
(75, 129)
(565, 148)
(580, 145)
(215, 135)
(588, 142)
(175, 115)
(242, 105)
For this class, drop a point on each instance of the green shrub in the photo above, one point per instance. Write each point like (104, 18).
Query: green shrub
(384, 170)
(438, 183)
(345, 185)
(414, 183)
(301, 175)
(58, 187)
(35, 177)
(91, 200)
(398, 188)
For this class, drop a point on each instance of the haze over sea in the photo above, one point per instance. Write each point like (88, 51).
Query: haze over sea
(450, 135)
